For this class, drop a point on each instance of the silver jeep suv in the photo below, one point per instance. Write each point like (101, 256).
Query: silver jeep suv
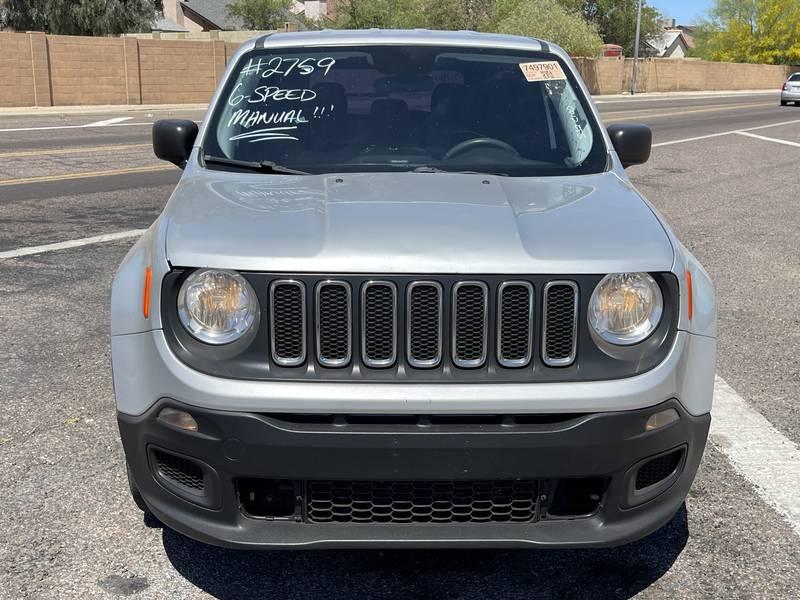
(405, 294)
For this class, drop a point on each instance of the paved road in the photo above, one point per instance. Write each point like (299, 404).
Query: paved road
(70, 530)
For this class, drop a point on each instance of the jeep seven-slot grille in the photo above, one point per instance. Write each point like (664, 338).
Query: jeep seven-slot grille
(469, 330)
(424, 321)
(560, 320)
(334, 330)
(421, 501)
(378, 324)
(515, 323)
(288, 322)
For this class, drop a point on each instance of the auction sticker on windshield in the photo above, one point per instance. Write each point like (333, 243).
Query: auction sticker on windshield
(548, 70)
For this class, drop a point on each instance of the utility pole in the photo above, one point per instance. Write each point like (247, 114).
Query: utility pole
(635, 48)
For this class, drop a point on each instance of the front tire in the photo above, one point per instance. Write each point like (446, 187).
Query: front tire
(784, 103)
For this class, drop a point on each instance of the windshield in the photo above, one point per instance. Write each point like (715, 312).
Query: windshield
(405, 108)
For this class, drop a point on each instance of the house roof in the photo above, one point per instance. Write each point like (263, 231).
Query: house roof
(214, 12)
(665, 43)
(162, 23)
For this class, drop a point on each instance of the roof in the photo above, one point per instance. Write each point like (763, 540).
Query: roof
(214, 12)
(664, 43)
(162, 23)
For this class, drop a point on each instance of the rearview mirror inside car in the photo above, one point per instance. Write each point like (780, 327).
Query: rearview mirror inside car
(173, 140)
(632, 142)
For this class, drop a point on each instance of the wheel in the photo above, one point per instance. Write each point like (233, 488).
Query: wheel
(135, 493)
(784, 103)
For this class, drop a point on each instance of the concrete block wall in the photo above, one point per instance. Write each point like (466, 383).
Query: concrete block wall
(17, 69)
(614, 75)
(55, 70)
(179, 71)
(87, 70)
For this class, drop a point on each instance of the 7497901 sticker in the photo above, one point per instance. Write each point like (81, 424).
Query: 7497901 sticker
(548, 70)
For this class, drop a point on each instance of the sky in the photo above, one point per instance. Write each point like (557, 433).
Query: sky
(685, 11)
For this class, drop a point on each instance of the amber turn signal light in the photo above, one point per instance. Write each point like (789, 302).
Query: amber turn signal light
(148, 279)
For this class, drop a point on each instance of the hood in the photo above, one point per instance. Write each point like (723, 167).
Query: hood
(413, 223)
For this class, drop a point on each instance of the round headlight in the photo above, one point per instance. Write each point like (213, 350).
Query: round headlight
(626, 308)
(217, 307)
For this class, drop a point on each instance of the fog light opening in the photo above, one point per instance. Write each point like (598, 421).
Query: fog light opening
(268, 498)
(661, 419)
(177, 418)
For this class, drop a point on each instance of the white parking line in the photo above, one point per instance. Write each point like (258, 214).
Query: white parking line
(768, 139)
(97, 239)
(54, 127)
(721, 133)
(758, 451)
(107, 122)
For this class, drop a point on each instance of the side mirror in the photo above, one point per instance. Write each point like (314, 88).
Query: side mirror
(173, 140)
(632, 143)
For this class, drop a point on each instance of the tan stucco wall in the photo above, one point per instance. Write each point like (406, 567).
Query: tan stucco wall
(613, 75)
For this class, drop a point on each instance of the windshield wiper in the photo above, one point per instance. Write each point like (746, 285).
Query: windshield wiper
(429, 169)
(265, 166)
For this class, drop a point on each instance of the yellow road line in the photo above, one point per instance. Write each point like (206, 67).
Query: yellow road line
(84, 175)
(651, 114)
(72, 150)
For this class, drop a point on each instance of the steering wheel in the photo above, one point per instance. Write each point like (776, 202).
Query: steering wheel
(477, 142)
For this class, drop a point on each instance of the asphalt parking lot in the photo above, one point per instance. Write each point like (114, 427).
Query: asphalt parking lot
(724, 172)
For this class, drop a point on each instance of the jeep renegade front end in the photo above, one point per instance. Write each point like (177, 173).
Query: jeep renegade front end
(405, 294)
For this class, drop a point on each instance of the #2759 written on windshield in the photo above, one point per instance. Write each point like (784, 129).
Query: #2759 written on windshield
(548, 70)
(269, 104)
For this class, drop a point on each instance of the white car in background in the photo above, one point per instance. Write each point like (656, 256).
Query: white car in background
(791, 90)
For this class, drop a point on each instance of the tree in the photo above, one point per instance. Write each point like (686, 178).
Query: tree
(537, 18)
(79, 17)
(616, 20)
(757, 31)
(23, 15)
(547, 20)
(260, 14)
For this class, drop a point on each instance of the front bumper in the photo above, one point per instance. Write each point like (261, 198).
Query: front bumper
(231, 447)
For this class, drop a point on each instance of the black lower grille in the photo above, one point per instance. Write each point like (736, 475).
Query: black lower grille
(658, 469)
(179, 470)
(421, 501)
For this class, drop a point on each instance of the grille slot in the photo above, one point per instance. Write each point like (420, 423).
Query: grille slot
(179, 470)
(288, 322)
(334, 327)
(470, 308)
(424, 324)
(422, 501)
(658, 469)
(514, 323)
(560, 323)
(379, 323)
